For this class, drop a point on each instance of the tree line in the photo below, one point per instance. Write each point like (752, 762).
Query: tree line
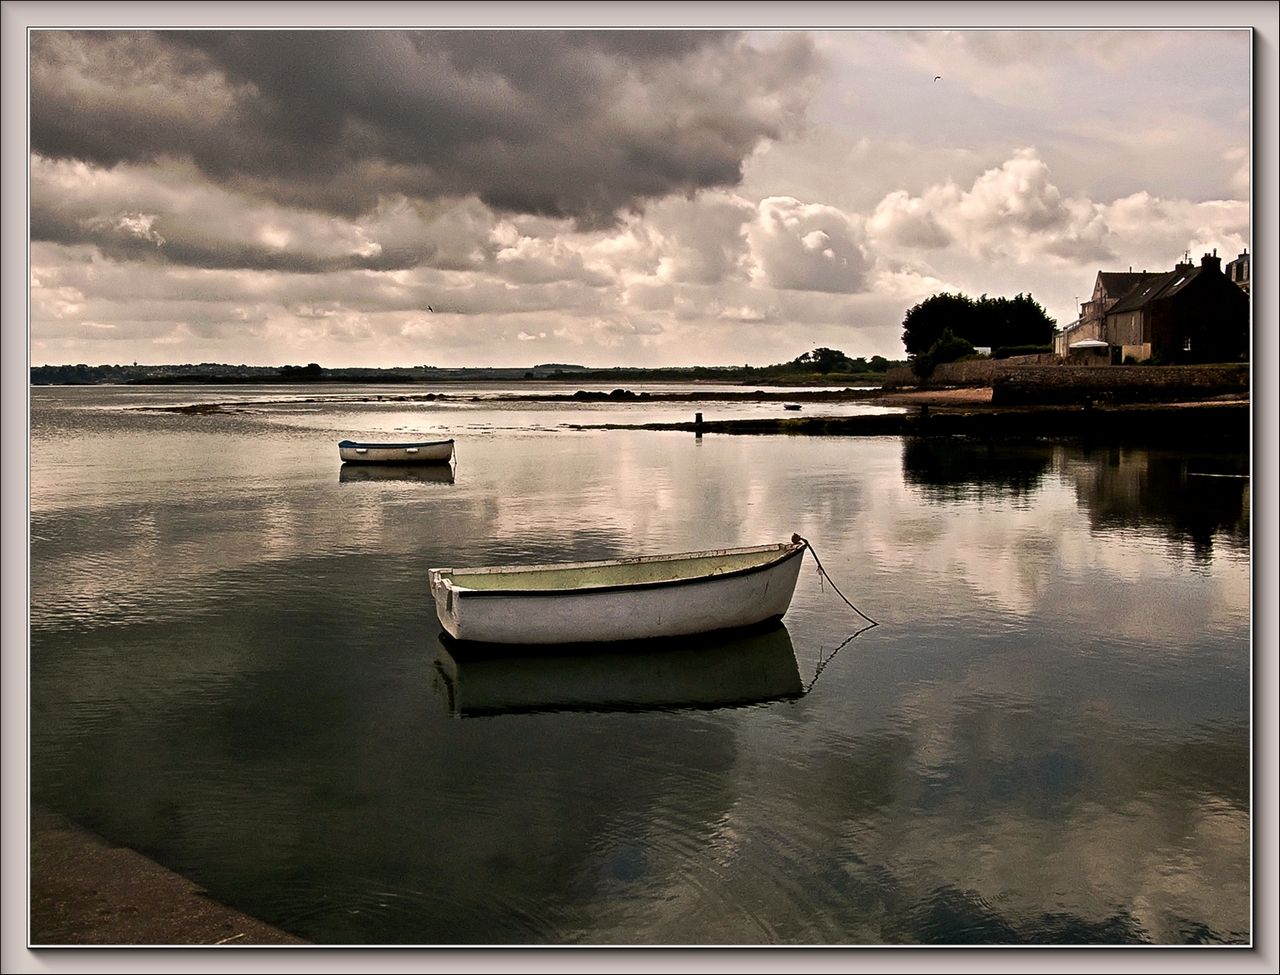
(948, 327)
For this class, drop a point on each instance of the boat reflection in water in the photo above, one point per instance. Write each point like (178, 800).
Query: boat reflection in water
(713, 670)
(420, 473)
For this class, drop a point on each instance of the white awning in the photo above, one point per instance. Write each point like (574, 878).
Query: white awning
(1088, 344)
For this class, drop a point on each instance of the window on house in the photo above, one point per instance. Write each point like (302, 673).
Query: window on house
(1186, 344)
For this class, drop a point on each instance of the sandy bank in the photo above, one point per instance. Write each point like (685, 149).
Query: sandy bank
(938, 397)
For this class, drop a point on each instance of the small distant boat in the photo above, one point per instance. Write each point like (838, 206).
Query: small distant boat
(619, 599)
(423, 452)
(791, 406)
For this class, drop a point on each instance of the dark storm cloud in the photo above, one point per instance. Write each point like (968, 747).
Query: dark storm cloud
(565, 124)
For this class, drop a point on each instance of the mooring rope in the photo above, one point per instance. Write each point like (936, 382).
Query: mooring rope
(823, 661)
(824, 574)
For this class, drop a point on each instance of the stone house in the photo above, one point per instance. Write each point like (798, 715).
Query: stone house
(1087, 330)
(1190, 314)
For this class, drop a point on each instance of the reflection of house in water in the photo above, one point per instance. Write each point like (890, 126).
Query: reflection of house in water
(1191, 498)
(950, 470)
(1187, 315)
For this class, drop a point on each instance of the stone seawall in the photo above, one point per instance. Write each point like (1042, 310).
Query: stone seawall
(1019, 384)
(975, 372)
(1119, 384)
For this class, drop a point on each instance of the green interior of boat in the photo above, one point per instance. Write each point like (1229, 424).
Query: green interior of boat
(630, 573)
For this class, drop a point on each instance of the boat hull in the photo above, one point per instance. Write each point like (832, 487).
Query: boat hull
(426, 452)
(741, 587)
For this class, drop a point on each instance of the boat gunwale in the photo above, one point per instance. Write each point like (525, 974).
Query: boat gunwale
(355, 444)
(785, 550)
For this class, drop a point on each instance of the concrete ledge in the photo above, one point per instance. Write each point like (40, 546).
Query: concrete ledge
(86, 891)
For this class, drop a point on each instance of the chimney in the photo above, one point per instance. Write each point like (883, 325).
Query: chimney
(1212, 262)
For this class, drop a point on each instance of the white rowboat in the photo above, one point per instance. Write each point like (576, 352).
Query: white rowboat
(619, 599)
(424, 452)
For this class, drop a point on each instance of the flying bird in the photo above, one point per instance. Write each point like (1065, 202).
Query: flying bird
(430, 309)
(937, 77)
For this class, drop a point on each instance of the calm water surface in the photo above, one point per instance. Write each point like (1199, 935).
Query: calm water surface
(236, 669)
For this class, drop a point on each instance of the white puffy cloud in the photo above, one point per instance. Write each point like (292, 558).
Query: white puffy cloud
(705, 236)
(526, 259)
(808, 247)
(1015, 213)
(909, 221)
(1017, 196)
(1151, 232)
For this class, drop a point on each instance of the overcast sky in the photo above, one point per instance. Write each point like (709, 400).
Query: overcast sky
(377, 198)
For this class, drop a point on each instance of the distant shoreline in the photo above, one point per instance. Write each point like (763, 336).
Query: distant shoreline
(843, 380)
(1212, 423)
(217, 375)
(966, 412)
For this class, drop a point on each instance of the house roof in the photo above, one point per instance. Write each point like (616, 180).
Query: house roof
(1156, 286)
(1116, 284)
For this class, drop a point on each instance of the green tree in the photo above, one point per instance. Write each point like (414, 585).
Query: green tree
(924, 322)
(948, 348)
(1019, 321)
(311, 370)
(990, 322)
(825, 360)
